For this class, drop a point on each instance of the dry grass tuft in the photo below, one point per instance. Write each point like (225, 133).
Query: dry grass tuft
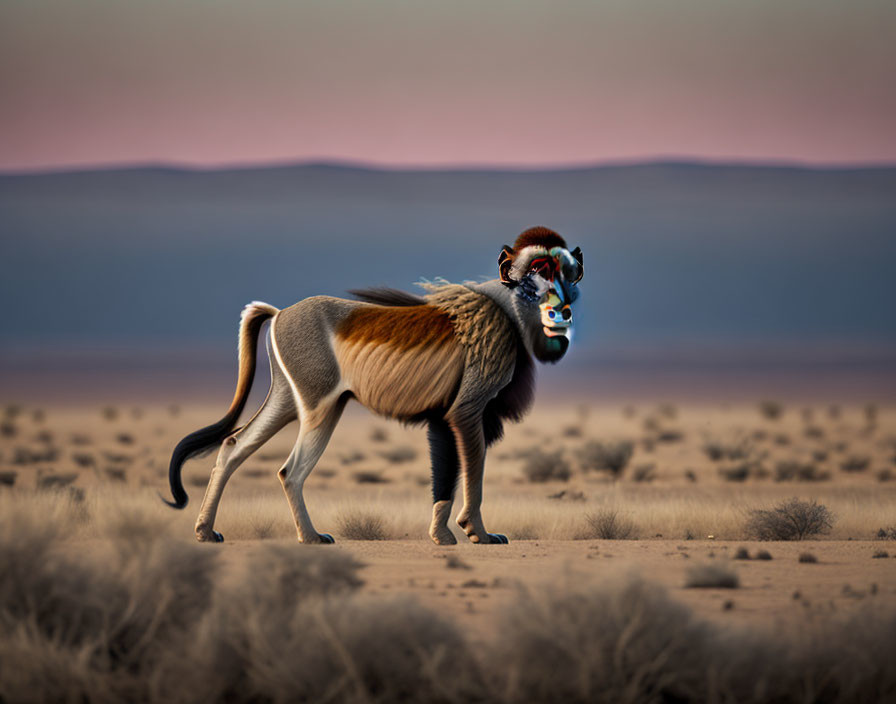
(717, 450)
(362, 525)
(771, 410)
(788, 470)
(742, 554)
(56, 481)
(378, 434)
(607, 524)
(855, 463)
(137, 616)
(370, 477)
(453, 562)
(711, 575)
(763, 555)
(398, 455)
(612, 457)
(807, 557)
(541, 466)
(790, 520)
(644, 472)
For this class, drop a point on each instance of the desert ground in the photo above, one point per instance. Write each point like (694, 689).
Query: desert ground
(607, 498)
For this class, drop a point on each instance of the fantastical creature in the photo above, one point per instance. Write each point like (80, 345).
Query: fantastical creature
(458, 359)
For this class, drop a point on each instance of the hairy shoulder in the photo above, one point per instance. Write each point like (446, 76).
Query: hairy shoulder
(482, 326)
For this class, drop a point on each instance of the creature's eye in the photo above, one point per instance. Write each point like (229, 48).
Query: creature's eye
(544, 267)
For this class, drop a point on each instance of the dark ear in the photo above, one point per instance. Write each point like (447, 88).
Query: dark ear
(577, 255)
(505, 261)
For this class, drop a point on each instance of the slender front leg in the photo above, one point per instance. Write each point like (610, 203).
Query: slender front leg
(445, 470)
(470, 438)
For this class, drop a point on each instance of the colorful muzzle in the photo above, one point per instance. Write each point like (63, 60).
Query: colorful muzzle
(556, 314)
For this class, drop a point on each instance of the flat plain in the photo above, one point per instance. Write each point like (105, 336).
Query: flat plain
(586, 493)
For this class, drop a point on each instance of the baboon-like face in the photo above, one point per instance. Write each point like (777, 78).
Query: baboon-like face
(544, 277)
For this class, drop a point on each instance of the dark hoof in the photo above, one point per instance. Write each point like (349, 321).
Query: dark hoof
(217, 536)
(497, 539)
(326, 538)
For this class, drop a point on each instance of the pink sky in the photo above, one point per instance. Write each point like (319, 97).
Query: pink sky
(459, 83)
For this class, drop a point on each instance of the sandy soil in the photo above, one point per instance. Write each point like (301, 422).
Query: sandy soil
(114, 460)
(471, 583)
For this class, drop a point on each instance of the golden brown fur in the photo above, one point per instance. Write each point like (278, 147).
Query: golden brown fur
(484, 330)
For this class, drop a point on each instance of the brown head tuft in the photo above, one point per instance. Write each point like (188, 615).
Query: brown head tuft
(542, 236)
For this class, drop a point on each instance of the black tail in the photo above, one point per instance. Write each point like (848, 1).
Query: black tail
(253, 316)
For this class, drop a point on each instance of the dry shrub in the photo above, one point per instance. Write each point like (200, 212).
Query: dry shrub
(607, 524)
(378, 434)
(117, 474)
(541, 466)
(742, 554)
(771, 410)
(788, 470)
(527, 531)
(370, 477)
(362, 525)
(855, 463)
(717, 450)
(263, 528)
(763, 555)
(711, 575)
(888, 533)
(93, 626)
(340, 650)
(83, 459)
(56, 481)
(616, 643)
(644, 472)
(568, 495)
(612, 457)
(143, 618)
(736, 472)
(8, 478)
(399, 454)
(453, 562)
(790, 520)
(807, 557)
(26, 455)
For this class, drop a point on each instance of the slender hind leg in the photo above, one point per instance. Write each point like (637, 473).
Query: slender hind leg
(277, 410)
(314, 433)
(445, 470)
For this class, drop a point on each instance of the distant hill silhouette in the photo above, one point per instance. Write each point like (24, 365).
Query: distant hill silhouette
(676, 254)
